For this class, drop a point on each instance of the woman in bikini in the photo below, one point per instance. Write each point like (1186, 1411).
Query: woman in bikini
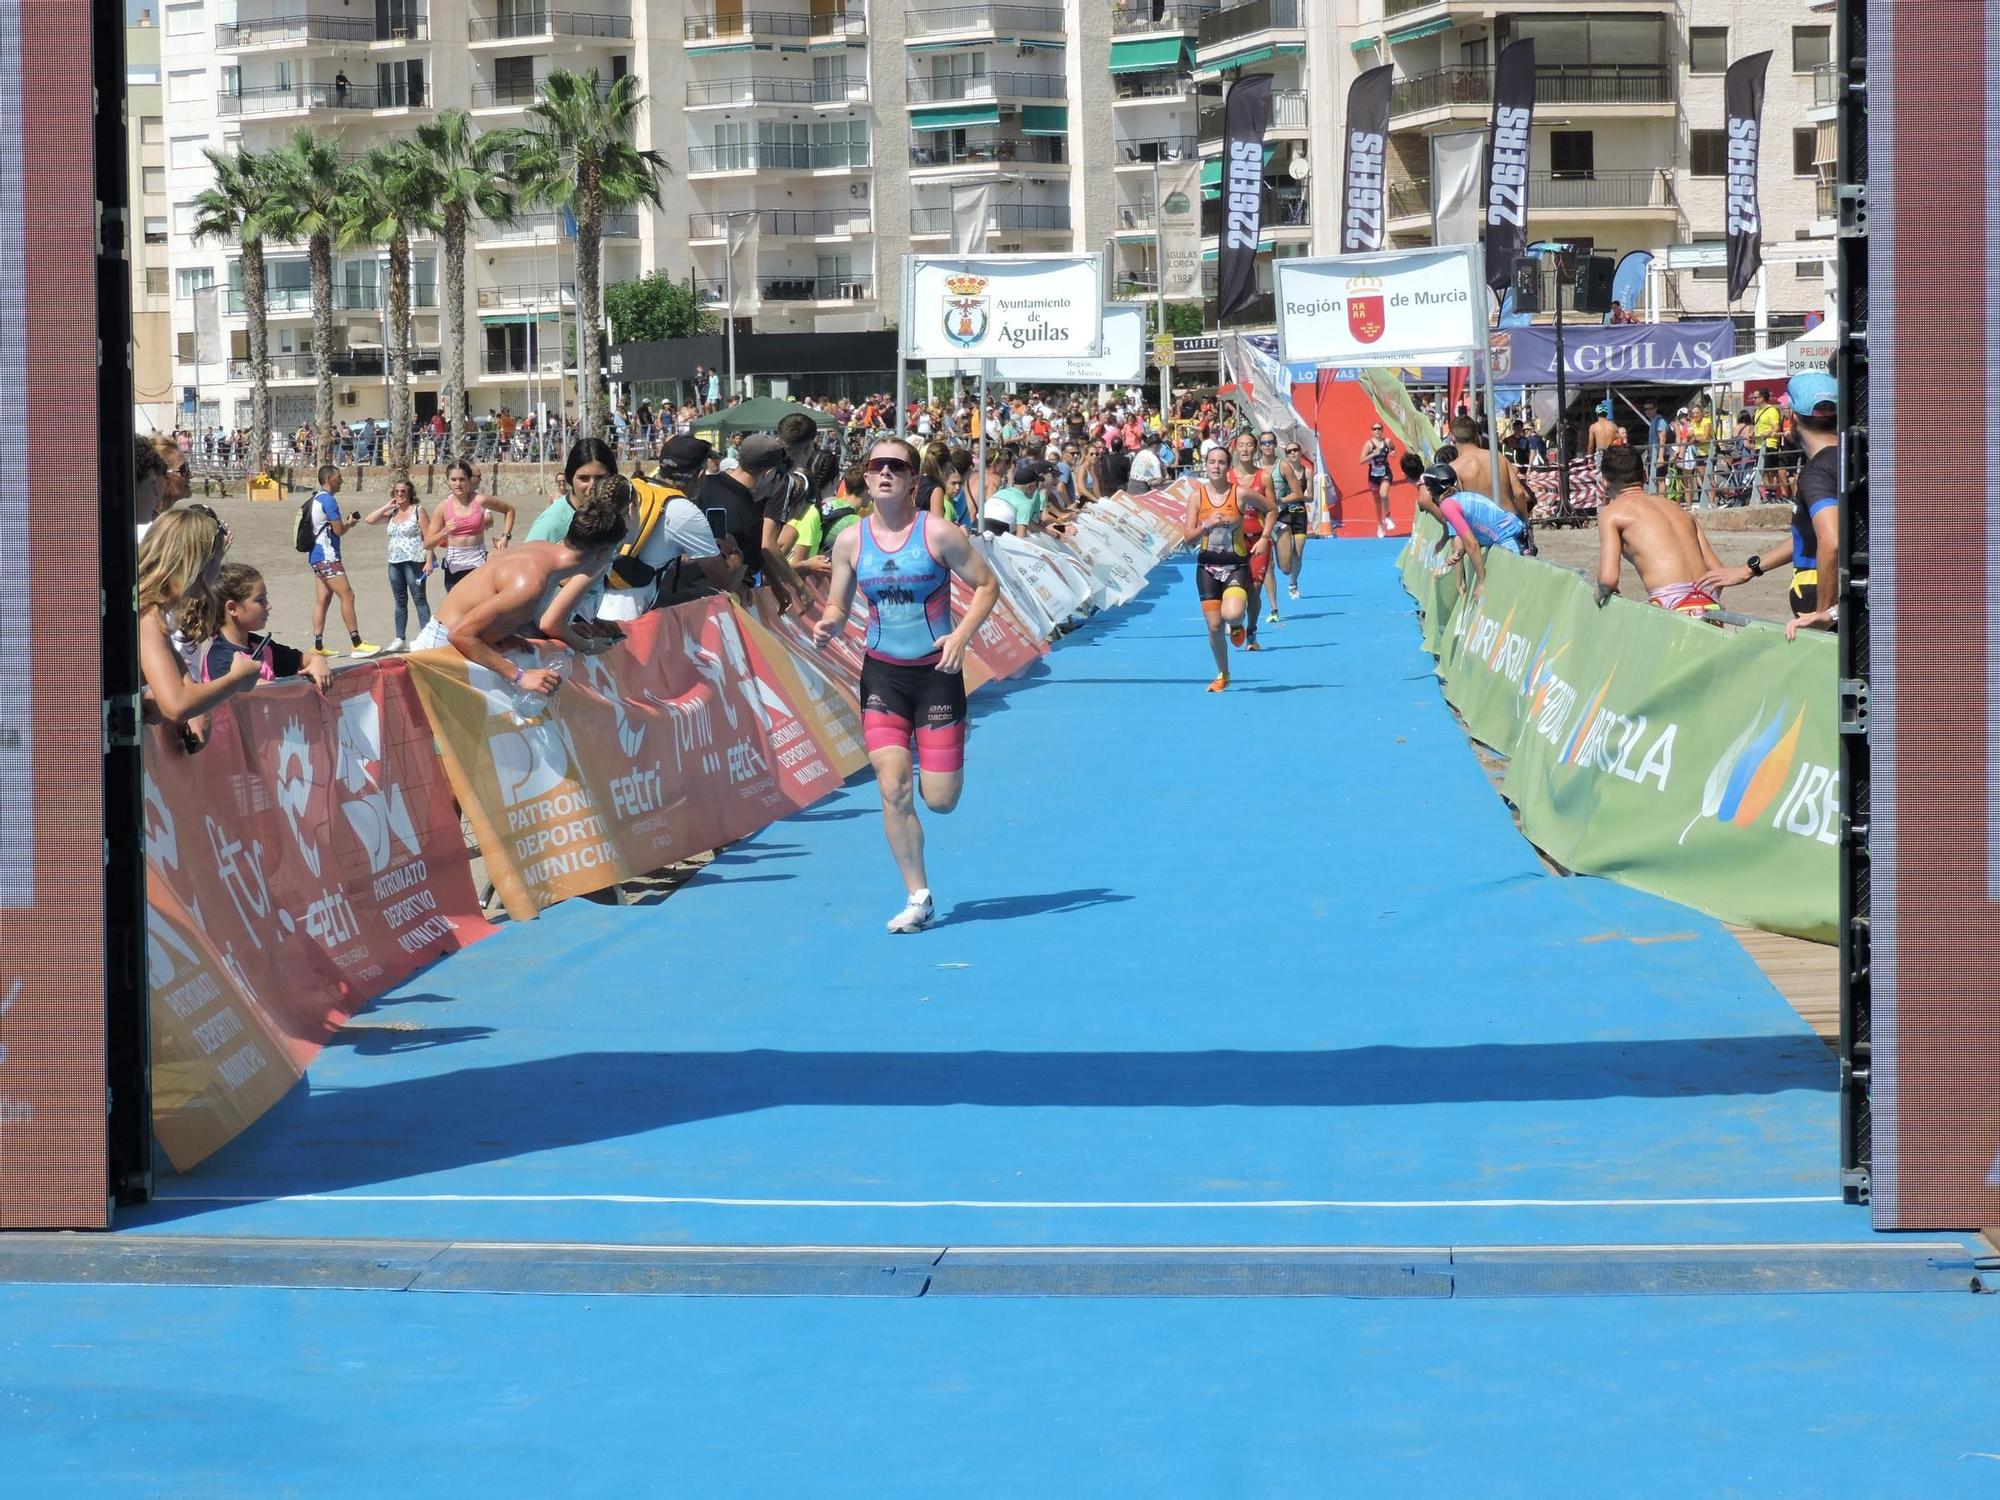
(459, 525)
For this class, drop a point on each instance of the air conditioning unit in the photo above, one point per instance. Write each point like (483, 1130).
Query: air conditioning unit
(350, 398)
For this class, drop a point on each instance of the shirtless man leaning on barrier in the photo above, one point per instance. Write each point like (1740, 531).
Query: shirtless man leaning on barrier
(1474, 467)
(1665, 544)
(534, 586)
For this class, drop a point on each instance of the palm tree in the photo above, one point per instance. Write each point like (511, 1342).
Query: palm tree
(466, 173)
(309, 180)
(579, 157)
(236, 209)
(387, 200)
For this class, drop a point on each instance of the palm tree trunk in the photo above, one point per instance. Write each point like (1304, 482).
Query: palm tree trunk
(256, 334)
(398, 355)
(320, 256)
(589, 355)
(460, 413)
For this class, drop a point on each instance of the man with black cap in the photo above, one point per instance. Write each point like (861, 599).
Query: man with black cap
(670, 530)
(1813, 549)
(735, 502)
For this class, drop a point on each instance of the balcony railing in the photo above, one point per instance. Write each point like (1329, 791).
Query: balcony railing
(746, 23)
(948, 152)
(1261, 311)
(796, 289)
(1288, 112)
(986, 86)
(1826, 85)
(522, 362)
(1283, 209)
(617, 226)
(1641, 188)
(523, 24)
(280, 300)
(777, 156)
(373, 362)
(1582, 83)
(1409, 197)
(1129, 16)
(794, 222)
(1156, 148)
(284, 98)
(300, 30)
(1404, 7)
(1035, 216)
(1136, 215)
(527, 294)
(1234, 21)
(1151, 86)
(998, 18)
(282, 366)
(503, 95)
(775, 90)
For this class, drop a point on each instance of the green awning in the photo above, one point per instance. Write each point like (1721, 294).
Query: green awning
(1045, 119)
(1148, 56)
(954, 116)
(707, 51)
(1262, 246)
(1363, 44)
(1211, 172)
(1240, 60)
(935, 46)
(1429, 28)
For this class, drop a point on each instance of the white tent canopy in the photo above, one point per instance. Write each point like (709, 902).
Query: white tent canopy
(1812, 350)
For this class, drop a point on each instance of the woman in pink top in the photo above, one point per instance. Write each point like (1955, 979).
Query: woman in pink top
(459, 525)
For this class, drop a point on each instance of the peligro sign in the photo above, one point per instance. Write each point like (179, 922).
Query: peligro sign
(1002, 307)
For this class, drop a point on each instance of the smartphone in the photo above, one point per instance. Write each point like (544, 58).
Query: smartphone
(718, 521)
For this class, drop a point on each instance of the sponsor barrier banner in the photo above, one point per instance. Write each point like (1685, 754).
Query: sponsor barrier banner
(1363, 206)
(1670, 755)
(1511, 133)
(306, 860)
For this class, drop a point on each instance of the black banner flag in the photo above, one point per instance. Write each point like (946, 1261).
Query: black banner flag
(1364, 210)
(1743, 104)
(1507, 161)
(1246, 115)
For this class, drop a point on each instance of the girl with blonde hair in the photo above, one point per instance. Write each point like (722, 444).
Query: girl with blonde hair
(178, 564)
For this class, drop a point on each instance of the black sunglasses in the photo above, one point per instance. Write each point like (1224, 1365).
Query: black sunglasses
(889, 466)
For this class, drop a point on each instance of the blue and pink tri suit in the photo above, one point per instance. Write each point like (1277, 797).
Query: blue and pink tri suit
(903, 694)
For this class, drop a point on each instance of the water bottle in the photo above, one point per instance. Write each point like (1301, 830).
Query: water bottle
(530, 708)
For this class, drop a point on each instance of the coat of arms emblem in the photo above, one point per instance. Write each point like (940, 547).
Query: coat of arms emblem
(965, 310)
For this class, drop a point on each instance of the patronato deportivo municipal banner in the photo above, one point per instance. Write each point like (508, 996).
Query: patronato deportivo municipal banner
(1662, 752)
(307, 859)
(695, 732)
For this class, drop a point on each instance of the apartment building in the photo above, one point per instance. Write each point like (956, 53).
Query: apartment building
(1629, 151)
(844, 127)
(155, 397)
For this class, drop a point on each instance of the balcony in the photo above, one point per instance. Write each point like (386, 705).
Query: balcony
(1051, 150)
(1131, 16)
(1640, 190)
(795, 289)
(1410, 199)
(1134, 86)
(986, 86)
(278, 32)
(545, 25)
(745, 24)
(545, 227)
(712, 91)
(1047, 218)
(520, 95)
(787, 223)
(1826, 85)
(1260, 312)
(1160, 148)
(1135, 218)
(301, 98)
(1288, 112)
(1008, 20)
(1580, 84)
(373, 363)
(300, 366)
(776, 156)
(520, 362)
(526, 294)
(1236, 21)
(1284, 208)
(282, 301)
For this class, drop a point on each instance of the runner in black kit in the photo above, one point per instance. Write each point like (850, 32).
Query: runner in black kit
(1376, 453)
(912, 678)
(1814, 547)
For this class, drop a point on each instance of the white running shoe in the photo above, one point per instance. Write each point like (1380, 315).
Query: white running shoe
(1295, 591)
(396, 645)
(916, 916)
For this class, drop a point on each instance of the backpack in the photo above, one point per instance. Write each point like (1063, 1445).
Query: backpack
(628, 572)
(305, 535)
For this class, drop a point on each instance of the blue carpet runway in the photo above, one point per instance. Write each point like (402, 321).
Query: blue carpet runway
(1270, 968)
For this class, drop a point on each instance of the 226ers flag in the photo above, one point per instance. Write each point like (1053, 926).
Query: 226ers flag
(1743, 104)
(1366, 314)
(1363, 210)
(1507, 161)
(1246, 116)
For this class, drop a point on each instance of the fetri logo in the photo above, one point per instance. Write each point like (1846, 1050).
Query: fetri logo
(1757, 767)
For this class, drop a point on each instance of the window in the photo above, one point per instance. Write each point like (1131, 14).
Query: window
(190, 279)
(156, 229)
(184, 348)
(156, 281)
(184, 20)
(1708, 49)
(1812, 47)
(1720, 270)
(513, 80)
(1807, 270)
(184, 219)
(1708, 153)
(1804, 143)
(142, 75)
(187, 87)
(1572, 153)
(185, 151)
(152, 180)
(149, 130)
(400, 84)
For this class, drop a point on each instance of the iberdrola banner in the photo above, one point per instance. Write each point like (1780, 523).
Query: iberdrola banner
(1693, 762)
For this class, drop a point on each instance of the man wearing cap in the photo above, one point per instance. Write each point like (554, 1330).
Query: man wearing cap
(1813, 549)
(735, 502)
(669, 529)
(1603, 436)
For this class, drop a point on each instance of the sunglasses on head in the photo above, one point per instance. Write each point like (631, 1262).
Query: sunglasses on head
(889, 466)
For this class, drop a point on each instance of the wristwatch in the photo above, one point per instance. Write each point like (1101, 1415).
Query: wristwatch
(1755, 564)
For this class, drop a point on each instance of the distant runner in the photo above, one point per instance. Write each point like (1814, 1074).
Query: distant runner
(1375, 453)
(1222, 563)
(913, 674)
(1294, 519)
(1665, 545)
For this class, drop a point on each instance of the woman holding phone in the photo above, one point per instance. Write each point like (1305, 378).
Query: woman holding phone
(409, 556)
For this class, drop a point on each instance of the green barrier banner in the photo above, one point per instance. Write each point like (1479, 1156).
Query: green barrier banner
(1693, 762)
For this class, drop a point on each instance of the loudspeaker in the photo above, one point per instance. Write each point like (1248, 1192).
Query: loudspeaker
(1592, 291)
(1528, 284)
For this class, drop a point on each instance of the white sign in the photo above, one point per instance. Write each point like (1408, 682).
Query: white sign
(1394, 307)
(1803, 354)
(1123, 361)
(1003, 306)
